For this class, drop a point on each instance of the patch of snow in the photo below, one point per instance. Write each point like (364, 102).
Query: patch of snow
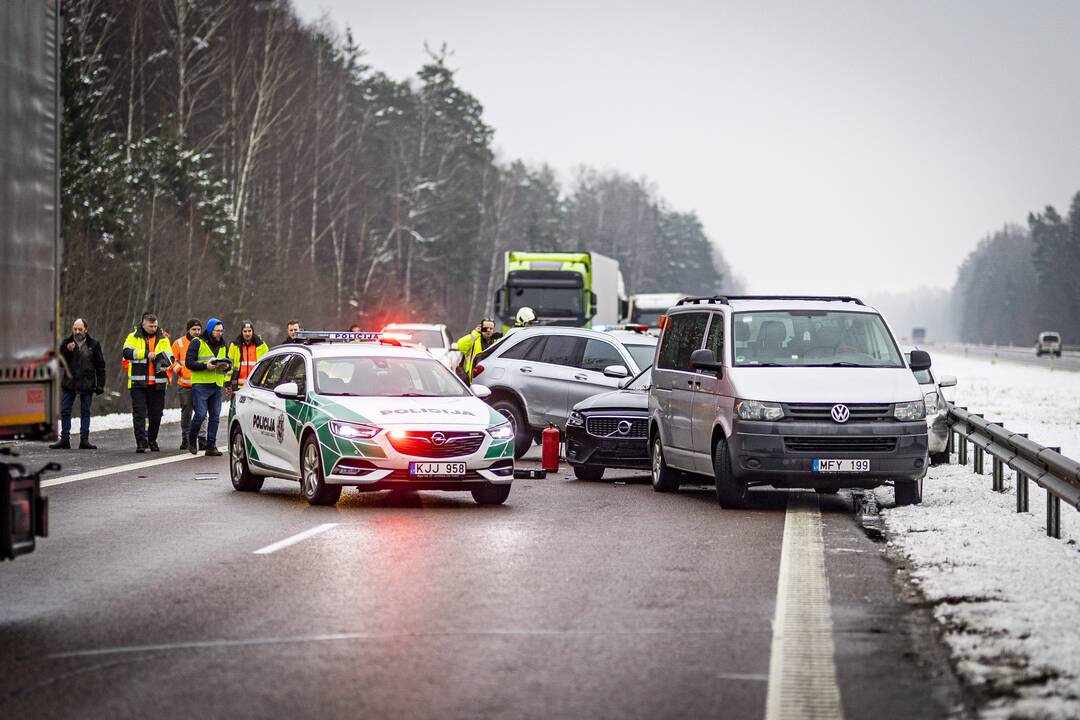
(118, 421)
(1006, 594)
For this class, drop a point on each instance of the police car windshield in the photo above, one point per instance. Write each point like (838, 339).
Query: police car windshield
(386, 377)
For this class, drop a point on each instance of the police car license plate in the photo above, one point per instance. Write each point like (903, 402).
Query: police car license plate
(434, 469)
(841, 466)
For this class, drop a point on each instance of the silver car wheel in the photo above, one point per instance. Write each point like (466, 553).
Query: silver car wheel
(237, 456)
(311, 469)
(656, 461)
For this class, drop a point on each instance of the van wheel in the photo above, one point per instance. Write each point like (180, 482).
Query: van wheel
(664, 479)
(523, 436)
(312, 484)
(242, 478)
(907, 492)
(731, 492)
(591, 473)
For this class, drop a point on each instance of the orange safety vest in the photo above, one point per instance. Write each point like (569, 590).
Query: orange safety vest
(179, 367)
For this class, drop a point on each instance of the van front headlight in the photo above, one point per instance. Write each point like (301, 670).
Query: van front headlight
(757, 410)
(933, 403)
(910, 411)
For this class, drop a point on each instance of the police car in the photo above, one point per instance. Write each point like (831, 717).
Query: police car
(358, 409)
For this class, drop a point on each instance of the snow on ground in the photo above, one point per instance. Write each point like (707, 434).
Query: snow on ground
(1008, 596)
(118, 421)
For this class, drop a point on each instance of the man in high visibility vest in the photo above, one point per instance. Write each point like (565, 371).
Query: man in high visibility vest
(209, 368)
(183, 382)
(471, 345)
(149, 361)
(245, 352)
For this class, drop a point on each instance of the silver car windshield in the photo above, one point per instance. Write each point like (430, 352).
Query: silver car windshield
(386, 377)
(812, 338)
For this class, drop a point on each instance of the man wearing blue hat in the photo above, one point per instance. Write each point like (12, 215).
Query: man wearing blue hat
(209, 369)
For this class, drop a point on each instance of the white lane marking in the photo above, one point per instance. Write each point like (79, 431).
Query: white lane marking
(298, 537)
(802, 666)
(65, 479)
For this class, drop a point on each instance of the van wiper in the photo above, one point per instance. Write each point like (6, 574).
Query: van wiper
(414, 395)
(840, 364)
(769, 364)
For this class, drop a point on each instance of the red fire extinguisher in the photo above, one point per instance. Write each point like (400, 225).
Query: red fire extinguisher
(549, 456)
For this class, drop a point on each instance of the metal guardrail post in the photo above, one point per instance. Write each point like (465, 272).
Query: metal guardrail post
(950, 446)
(962, 453)
(977, 463)
(1022, 489)
(999, 475)
(1053, 510)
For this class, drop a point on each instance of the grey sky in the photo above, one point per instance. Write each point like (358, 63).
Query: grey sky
(827, 146)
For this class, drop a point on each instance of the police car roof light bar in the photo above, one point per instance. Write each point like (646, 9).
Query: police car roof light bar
(309, 337)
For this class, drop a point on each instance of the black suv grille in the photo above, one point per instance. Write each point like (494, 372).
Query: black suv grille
(608, 426)
(826, 444)
(859, 412)
(421, 443)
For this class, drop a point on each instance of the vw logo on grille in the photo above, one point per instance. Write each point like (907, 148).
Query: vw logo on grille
(437, 438)
(840, 413)
(624, 427)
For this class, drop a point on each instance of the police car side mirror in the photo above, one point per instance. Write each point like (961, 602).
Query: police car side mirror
(481, 391)
(616, 371)
(288, 391)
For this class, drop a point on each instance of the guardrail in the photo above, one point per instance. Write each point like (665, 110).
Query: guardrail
(1046, 466)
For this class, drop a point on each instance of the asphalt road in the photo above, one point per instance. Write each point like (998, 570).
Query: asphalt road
(574, 600)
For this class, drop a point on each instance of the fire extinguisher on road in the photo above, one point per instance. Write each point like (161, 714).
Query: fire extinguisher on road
(549, 455)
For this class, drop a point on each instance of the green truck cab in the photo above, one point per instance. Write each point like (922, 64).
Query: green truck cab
(568, 289)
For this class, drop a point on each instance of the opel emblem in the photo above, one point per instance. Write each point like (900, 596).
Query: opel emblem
(624, 427)
(437, 438)
(840, 413)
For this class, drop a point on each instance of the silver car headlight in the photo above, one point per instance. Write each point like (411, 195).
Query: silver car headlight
(756, 410)
(576, 419)
(353, 431)
(501, 432)
(910, 411)
(933, 402)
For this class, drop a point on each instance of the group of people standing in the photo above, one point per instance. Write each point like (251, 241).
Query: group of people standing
(203, 365)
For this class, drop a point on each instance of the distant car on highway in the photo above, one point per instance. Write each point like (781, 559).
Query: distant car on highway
(1049, 343)
(374, 415)
(793, 392)
(610, 430)
(536, 374)
(937, 410)
(434, 338)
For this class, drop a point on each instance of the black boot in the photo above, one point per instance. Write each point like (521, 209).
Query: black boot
(140, 446)
(61, 444)
(202, 443)
(192, 446)
(154, 446)
(183, 443)
(212, 451)
(85, 444)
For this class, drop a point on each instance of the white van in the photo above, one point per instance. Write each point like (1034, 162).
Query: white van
(792, 392)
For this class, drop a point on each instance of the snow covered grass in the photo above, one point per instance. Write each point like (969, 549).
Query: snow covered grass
(1007, 595)
(118, 421)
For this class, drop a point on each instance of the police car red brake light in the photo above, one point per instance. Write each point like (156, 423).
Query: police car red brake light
(477, 370)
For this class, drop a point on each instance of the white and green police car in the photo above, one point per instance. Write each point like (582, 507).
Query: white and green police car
(358, 409)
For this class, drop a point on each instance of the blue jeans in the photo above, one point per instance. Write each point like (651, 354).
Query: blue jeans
(206, 400)
(67, 401)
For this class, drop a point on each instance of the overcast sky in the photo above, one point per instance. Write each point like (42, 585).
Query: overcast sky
(828, 146)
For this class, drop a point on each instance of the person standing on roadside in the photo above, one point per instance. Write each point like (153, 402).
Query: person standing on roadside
(84, 378)
(149, 360)
(209, 369)
(291, 328)
(183, 382)
(244, 352)
(481, 338)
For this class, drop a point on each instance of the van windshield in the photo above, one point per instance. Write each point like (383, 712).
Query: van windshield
(812, 338)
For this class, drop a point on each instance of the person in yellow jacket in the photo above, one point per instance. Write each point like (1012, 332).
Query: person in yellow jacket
(244, 352)
(149, 362)
(183, 382)
(481, 338)
(209, 369)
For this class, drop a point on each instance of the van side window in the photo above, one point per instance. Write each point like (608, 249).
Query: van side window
(715, 339)
(682, 337)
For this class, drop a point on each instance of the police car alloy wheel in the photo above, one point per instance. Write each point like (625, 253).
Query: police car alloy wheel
(242, 477)
(316, 491)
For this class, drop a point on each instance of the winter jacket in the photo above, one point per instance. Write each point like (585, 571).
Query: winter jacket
(86, 365)
(244, 356)
(202, 349)
(142, 371)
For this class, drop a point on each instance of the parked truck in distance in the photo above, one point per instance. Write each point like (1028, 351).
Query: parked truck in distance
(29, 257)
(568, 289)
(646, 308)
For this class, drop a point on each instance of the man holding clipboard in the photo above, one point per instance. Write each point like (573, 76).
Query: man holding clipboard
(209, 370)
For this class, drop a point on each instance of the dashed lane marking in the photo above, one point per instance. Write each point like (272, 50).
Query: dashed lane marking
(298, 537)
(65, 479)
(802, 666)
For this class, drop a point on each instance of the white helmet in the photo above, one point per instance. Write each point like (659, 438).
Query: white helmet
(525, 316)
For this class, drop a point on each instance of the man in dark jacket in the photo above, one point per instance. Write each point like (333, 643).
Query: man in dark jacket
(209, 368)
(85, 377)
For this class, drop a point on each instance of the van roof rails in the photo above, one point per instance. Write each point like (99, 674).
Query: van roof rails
(724, 300)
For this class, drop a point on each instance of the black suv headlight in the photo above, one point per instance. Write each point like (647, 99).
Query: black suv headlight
(576, 419)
